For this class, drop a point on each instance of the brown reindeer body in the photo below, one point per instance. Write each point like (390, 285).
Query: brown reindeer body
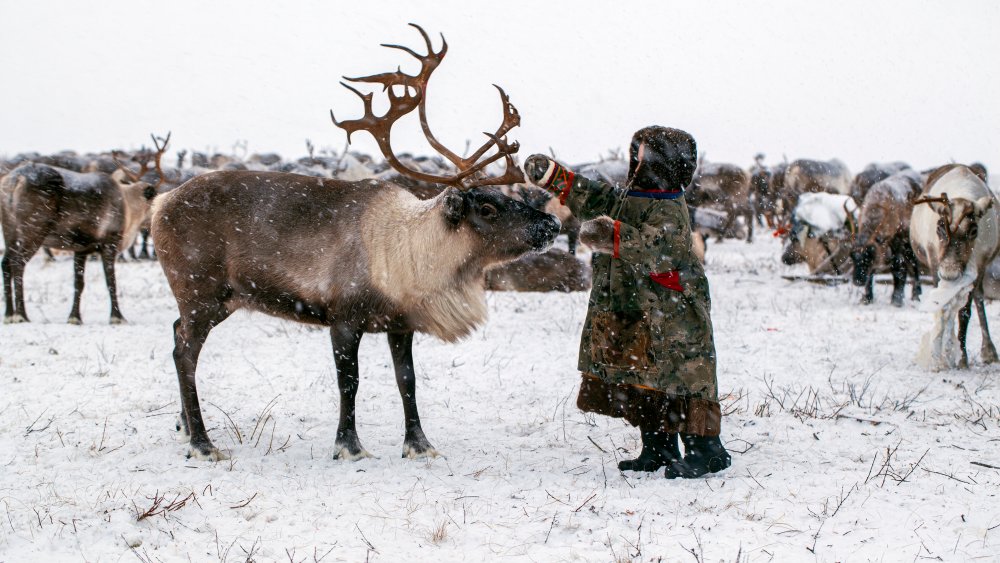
(356, 256)
(884, 229)
(873, 174)
(60, 209)
(725, 187)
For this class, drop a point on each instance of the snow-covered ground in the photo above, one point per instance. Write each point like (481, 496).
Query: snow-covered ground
(842, 447)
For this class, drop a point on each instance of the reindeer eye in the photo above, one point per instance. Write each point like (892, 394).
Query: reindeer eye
(487, 210)
(973, 230)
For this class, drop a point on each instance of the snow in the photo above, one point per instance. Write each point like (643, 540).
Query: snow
(842, 447)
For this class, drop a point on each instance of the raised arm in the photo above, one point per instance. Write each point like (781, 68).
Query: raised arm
(586, 198)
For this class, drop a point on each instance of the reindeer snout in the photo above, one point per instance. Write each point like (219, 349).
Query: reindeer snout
(544, 232)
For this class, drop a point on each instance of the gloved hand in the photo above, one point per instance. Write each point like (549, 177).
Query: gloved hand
(599, 234)
(549, 175)
(535, 168)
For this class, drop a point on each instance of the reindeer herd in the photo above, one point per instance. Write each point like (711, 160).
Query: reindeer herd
(408, 244)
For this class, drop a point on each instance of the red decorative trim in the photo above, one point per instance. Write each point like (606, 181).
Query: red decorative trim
(618, 238)
(570, 177)
(669, 280)
(560, 183)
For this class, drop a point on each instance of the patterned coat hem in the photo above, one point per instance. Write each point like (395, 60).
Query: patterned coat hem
(650, 408)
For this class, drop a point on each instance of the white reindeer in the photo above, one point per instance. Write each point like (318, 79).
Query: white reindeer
(955, 233)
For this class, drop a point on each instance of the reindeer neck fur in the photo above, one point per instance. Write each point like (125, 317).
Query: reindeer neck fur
(423, 265)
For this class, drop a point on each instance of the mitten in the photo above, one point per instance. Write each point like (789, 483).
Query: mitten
(550, 175)
(599, 234)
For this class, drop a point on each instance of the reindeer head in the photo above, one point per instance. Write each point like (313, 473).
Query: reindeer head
(957, 229)
(506, 227)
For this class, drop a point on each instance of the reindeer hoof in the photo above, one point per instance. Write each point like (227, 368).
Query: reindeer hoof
(345, 454)
(206, 453)
(15, 319)
(990, 356)
(413, 451)
(74, 321)
(117, 321)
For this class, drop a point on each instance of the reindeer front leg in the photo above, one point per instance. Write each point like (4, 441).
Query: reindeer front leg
(415, 444)
(964, 315)
(346, 340)
(989, 351)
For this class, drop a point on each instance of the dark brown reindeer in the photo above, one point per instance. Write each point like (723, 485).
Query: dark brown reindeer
(359, 257)
(56, 208)
(883, 227)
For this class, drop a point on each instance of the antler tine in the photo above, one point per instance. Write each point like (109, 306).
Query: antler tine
(851, 225)
(511, 119)
(158, 156)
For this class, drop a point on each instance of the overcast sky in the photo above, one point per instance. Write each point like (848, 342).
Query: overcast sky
(862, 81)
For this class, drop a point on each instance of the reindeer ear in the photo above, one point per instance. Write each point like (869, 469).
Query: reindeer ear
(982, 205)
(453, 205)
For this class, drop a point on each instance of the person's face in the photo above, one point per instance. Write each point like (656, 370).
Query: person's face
(639, 156)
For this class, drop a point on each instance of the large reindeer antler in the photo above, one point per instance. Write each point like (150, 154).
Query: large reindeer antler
(414, 96)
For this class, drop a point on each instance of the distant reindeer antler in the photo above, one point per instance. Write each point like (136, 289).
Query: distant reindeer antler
(414, 96)
(143, 157)
(852, 227)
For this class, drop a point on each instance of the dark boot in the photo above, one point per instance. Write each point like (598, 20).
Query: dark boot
(658, 449)
(702, 455)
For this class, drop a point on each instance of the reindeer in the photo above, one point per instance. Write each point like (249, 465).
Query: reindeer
(378, 259)
(873, 174)
(725, 187)
(84, 213)
(163, 181)
(814, 176)
(819, 233)
(766, 185)
(554, 270)
(884, 223)
(955, 233)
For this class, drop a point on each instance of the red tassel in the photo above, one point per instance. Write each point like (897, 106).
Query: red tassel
(669, 280)
(618, 238)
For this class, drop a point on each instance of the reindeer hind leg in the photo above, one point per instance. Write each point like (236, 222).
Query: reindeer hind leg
(190, 333)
(345, 339)
(79, 269)
(109, 253)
